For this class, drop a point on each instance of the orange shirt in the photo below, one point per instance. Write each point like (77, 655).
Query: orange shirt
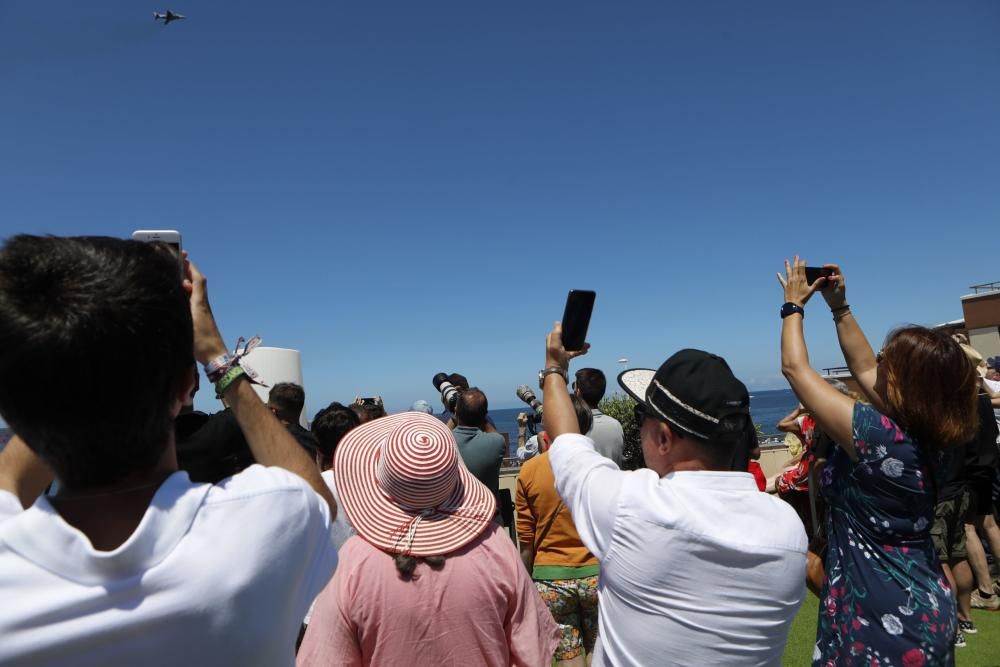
(536, 501)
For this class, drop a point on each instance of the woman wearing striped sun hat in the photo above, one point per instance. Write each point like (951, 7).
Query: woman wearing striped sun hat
(429, 579)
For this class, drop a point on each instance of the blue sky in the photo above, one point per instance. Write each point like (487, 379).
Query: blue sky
(401, 188)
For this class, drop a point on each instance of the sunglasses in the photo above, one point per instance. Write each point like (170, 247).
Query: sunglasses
(879, 357)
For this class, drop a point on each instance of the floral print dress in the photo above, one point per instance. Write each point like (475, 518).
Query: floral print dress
(885, 601)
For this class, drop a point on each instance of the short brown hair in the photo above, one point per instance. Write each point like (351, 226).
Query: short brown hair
(930, 387)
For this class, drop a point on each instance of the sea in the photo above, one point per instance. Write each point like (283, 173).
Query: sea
(766, 409)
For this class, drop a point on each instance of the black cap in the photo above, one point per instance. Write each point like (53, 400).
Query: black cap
(694, 390)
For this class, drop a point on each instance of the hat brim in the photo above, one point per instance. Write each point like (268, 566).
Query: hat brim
(635, 382)
(382, 522)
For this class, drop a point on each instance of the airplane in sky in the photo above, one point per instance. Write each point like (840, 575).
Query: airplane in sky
(167, 17)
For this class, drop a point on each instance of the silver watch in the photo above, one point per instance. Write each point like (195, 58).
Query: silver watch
(548, 371)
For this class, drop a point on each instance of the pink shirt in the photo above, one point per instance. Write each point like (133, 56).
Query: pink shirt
(480, 608)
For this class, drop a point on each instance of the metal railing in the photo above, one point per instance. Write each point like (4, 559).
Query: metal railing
(985, 287)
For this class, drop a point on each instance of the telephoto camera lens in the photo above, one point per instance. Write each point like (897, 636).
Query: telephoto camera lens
(525, 393)
(449, 392)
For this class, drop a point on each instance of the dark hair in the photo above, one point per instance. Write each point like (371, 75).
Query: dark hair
(584, 417)
(360, 411)
(471, 408)
(719, 452)
(459, 381)
(331, 424)
(97, 339)
(406, 564)
(591, 384)
(367, 412)
(287, 399)
(930, 386)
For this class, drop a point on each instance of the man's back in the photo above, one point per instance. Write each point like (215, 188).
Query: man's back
(482, 453)
(698, 568)
(212, 575)
(608, 437)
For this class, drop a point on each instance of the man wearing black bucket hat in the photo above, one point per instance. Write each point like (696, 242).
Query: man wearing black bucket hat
(697, 566)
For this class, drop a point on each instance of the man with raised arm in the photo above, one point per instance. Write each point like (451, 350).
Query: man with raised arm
(697, 566)
(130, 563)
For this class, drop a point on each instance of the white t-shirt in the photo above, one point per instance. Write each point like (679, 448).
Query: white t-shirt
(9, 505)
(697, 568)
(213, 575)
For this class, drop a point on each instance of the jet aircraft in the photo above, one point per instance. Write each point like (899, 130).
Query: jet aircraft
(167, 17)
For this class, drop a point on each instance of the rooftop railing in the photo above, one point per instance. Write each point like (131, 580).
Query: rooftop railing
(986, 287)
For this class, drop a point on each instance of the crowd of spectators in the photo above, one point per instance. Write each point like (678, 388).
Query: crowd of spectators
(154, 534)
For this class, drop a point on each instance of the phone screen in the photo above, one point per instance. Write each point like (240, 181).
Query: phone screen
(576, 318)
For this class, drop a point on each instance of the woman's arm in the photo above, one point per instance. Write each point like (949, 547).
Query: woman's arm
(827, 405)
(790, 422)
(857, 350)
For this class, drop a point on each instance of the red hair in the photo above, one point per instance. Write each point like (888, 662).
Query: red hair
(930, 387)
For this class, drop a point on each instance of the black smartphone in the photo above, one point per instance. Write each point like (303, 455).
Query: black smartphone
(576, 318)
(814, 273)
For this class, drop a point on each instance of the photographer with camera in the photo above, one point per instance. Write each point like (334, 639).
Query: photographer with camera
(526, 449)
(481, 451)
(450, 387)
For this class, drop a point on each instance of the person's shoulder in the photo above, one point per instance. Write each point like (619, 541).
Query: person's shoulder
(491, 436)
(784, 524)
(258, 480)
(531, 467)
(10, 505)
(606, 418)
(870, 425)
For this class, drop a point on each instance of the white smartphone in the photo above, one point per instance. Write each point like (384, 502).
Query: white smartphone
(171, 237)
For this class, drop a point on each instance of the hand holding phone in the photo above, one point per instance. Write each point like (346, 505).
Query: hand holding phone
(814, 273)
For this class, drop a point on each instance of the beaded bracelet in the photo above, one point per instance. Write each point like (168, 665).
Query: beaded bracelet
(228, 379)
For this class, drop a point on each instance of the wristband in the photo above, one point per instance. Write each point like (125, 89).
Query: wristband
(228, 379)
(217, 367)
(840, 308)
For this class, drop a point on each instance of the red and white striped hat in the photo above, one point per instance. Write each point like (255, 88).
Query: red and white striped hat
(405, 488)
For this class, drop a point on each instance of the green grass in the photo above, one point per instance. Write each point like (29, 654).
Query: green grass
(983, 649)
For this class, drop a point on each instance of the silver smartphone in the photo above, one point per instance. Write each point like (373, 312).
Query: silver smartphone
(171, 237)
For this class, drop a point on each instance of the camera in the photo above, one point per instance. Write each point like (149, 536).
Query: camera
(525, 393)
(449, 392)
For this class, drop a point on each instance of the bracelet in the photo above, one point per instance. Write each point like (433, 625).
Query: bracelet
(840, 308)
(217, 367)
(228, 379)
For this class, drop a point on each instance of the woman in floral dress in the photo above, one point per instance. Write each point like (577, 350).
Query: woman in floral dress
(884, 600)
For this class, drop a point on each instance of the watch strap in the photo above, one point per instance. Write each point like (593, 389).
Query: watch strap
(789, 308)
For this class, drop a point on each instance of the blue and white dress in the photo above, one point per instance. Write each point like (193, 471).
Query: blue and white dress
(885, 601)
